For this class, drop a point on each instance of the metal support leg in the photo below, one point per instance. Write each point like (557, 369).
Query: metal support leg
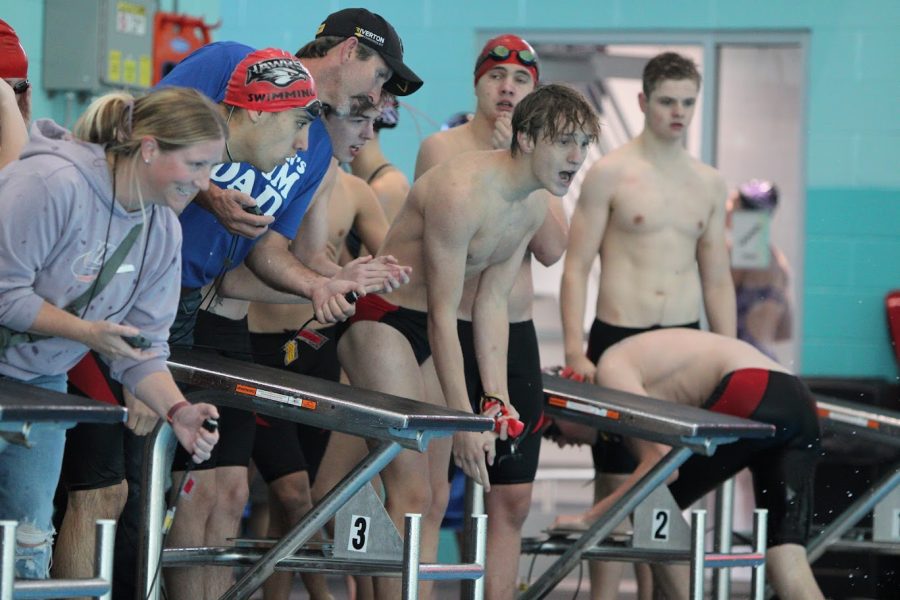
(156, 468)
(98, 587)
(411, 549)
(604, 526)
(886, 519)
(103, 553)
(698, 553)
(7, 559)
(760, 531)
(480, 556)
(315, 519)
(852, 515)
(721, 581)
(473, 505)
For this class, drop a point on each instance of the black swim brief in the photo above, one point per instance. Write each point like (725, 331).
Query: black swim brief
(526, 392)
(283, 447)
(413, 324)
(237, 428)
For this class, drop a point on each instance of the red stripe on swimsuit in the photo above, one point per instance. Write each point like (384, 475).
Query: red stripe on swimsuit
(743, 393)
(372, 307)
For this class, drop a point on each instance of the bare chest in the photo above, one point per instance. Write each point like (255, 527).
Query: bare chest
(499, 234)
(647, 204)
(341, 216)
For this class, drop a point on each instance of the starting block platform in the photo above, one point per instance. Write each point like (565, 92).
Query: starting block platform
(660, 533)
(23, 408)
(393, 423)
(876, 426)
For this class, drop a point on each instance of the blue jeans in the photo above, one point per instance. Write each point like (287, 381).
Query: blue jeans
(28, 479)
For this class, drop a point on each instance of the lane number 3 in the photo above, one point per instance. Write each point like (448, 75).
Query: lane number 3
(359, 533)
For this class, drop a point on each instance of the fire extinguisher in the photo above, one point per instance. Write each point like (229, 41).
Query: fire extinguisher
(174, 37)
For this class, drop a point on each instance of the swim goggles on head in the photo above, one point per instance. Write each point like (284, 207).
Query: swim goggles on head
(501, 53)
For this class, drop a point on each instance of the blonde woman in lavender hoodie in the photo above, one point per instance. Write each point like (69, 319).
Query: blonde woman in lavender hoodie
(66, 206)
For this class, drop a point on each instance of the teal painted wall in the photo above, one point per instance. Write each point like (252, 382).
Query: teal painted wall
(852, 259)
(852, 249)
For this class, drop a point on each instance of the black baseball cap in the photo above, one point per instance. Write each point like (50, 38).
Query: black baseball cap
(376, 33)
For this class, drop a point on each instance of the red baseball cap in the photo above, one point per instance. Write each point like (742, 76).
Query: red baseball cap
(13, 60)
(271, 80)
(507, 49)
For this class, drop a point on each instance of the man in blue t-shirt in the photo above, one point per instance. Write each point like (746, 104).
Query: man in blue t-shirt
(355, 54)
(281, 195)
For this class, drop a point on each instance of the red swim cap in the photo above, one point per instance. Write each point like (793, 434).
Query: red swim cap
(13, 61)
(270, 80)
(507, 49)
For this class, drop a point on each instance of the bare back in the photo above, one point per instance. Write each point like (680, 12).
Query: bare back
(442, 145)
(391, 187)
(681, 365)
(657, 214)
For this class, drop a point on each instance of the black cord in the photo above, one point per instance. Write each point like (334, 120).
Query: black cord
(167, 526)
(534, 556)
(580, 576)
(295, 335)
(251, 354)
(210, 425)
(213, 291)
(137, 281)
(531, 566)
(112, 207)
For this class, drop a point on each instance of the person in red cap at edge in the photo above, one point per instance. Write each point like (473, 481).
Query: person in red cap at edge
(505, 72)
(15, 95)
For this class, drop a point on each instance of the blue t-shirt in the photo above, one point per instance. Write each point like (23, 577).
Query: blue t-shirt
(284, 193)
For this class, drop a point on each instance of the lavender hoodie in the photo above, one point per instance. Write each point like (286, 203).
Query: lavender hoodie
(56, 215)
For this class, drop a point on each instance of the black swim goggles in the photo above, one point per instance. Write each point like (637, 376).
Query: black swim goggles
(314, 109)
(499, 53)
(21, 87)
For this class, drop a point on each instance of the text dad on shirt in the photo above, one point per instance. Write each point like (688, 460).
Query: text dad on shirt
(269, 191)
